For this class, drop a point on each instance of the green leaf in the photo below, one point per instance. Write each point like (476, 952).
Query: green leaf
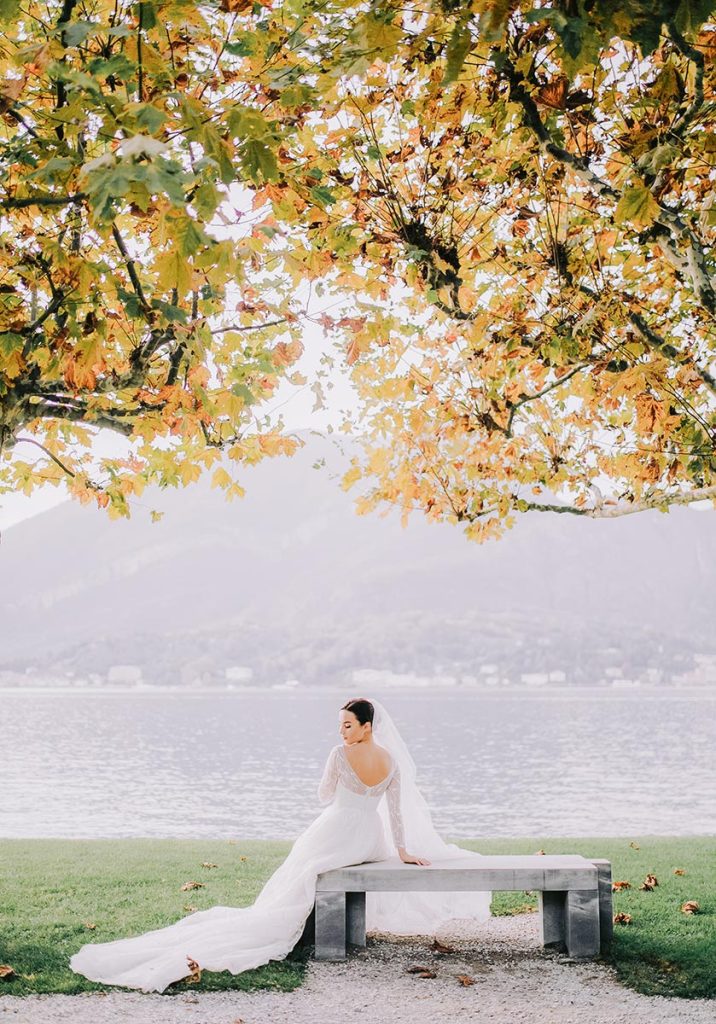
(457, 49)
(146, 15)
(241, 391)
(149, 118)
(259, 161)
(190, 236)
(661, 156)
(637, 206)
(76, 32)
(9, 9)
(10, 342)
(322, 195)
(692, 14)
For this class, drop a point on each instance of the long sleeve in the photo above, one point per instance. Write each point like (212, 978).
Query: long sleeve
(392, 795)
(327, 785)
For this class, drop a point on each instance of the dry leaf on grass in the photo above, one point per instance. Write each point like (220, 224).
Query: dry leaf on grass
(679, 871)
(191, 885)
(540, 853)
(618, 886)
(635, 846)
(195, 976)
(649, 883)
(465, 980)
(89, 924)
(188, 907)
(6, 971)
(208, 864)
(690, 907)
(622, 918)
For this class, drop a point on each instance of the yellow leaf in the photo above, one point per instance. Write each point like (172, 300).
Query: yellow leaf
(221, 479)
(638, 206)
(351, 477)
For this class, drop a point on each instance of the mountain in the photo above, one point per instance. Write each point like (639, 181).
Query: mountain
(289, 581)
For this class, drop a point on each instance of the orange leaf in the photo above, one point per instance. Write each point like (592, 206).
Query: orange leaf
(554, 93)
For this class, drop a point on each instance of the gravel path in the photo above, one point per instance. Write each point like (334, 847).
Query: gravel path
(514, 980)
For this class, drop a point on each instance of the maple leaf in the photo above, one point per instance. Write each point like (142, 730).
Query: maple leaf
(690, 907)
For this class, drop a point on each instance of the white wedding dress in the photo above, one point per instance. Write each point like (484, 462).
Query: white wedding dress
(351, 829)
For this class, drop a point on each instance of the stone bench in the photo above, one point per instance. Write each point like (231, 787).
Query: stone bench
(575, 896)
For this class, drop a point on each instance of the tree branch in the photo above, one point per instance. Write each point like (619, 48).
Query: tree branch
(79, 414)
(42, 199)
(697, 57)
(30, 440)
(131, 268)
(524, 399)
(693, 264)
(654, 501)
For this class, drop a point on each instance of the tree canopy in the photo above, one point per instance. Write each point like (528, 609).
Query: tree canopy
(510, 205)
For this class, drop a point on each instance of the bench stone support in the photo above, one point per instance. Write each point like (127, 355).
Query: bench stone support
(582, 922)
(355, 918)
(330, 926)
(606, 910)
(552, 917)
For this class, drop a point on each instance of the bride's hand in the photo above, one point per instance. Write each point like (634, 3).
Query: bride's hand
(407, 858)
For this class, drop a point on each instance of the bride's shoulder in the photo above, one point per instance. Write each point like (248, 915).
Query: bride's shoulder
(385, 754)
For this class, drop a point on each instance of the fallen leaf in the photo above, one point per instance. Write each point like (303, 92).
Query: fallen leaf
(416, 969)
(191, 885)
(649, 883)
(6, 971)
(622, 918)
(208, 864)
(188, 907)
(635, 846)
(541, 853)
(465, 980)
(690, 907)
(89, 924)
(439, 947)
(427, 974)
(679, 871)
(618, 886)
(195, 975)
(243, 858)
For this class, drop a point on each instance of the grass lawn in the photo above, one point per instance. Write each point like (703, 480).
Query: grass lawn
(57, 894)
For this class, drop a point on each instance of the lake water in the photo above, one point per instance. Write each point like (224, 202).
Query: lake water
(244, 765)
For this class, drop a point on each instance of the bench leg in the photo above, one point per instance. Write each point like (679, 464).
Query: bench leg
(552, 909)
(582, 922)
(606, 919)
(355, 918)
(330, 926)
(308, 936)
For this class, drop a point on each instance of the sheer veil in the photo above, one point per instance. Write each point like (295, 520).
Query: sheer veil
(416, 913)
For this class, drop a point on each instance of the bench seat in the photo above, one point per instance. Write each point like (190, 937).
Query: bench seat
(575, 896)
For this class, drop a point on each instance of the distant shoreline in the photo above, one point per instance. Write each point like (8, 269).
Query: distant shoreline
(413, 691)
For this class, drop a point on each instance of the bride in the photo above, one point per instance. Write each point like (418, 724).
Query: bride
(371, 762)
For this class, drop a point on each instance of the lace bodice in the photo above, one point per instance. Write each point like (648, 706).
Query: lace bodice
(338, 770)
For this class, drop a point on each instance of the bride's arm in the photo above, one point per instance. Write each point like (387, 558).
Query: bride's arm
(396, 820)
(329, 780)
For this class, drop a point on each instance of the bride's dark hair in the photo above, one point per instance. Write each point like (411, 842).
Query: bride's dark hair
(361, 708)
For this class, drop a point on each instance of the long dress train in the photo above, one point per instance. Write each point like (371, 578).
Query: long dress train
(351, 829)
